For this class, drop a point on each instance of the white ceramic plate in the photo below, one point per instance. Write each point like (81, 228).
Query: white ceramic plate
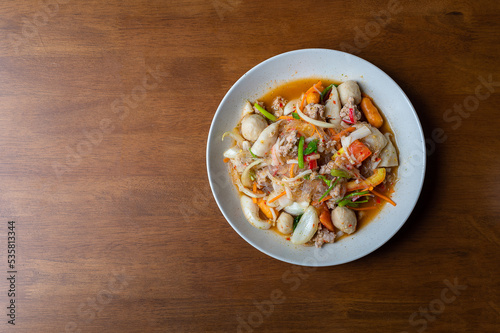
(334, 65)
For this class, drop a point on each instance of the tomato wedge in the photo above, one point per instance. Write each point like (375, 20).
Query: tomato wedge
(359, 150)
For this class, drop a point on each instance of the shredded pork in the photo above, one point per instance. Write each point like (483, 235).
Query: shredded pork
(315, 111)
(349, 112)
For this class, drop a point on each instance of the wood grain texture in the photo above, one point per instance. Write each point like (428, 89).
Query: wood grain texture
(117, 230)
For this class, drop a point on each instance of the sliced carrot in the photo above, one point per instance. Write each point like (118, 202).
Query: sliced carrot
(226, 160)
(331, 131)
(317, 86)
(285, 117)
(291, 170)
(325, 217)
(254, 189)
(301, 106)
(316, 130)
(383, 197)
(310, 90)
(315, 203)
(343, 133)
(265, 208)
(277, 197)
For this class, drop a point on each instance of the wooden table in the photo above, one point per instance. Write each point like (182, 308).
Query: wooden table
(105, 108)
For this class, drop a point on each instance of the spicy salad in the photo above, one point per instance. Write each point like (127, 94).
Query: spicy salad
(311, 167)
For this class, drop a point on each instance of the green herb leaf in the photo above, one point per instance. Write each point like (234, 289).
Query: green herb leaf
(325, 92)
(353, 194)
(264, 112)
(340, 173)
(348, 201)
(343, 202)
(311, 147)
(301, 152)
(295, 115)
(327, 181)
(296, 220)
(332, 185)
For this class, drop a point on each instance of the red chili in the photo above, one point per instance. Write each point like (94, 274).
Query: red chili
(351, 115)
(313, 164)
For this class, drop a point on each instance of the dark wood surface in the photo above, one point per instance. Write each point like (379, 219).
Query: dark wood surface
(116, 227)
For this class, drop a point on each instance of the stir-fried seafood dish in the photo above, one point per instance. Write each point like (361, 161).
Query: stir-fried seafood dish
(312, 164)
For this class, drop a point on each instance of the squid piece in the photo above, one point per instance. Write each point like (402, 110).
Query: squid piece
(251, 212)
(333, 106)
(388, 156)
(265, 140)
(376, 141)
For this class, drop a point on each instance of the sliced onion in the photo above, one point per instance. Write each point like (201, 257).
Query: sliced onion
(313, 121)
(247, 191)
(312, 157)
(290, 107)
(232, 152)
(271, 196)
(284, 201)
(245, 176)
(307, 227)
(300, 175)
(360, 133)
(346, 142)
(297, 208)
(309, 139)
(251, 213)
(274, 214)
(275, 180)
(247, 109)
(235, 135)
